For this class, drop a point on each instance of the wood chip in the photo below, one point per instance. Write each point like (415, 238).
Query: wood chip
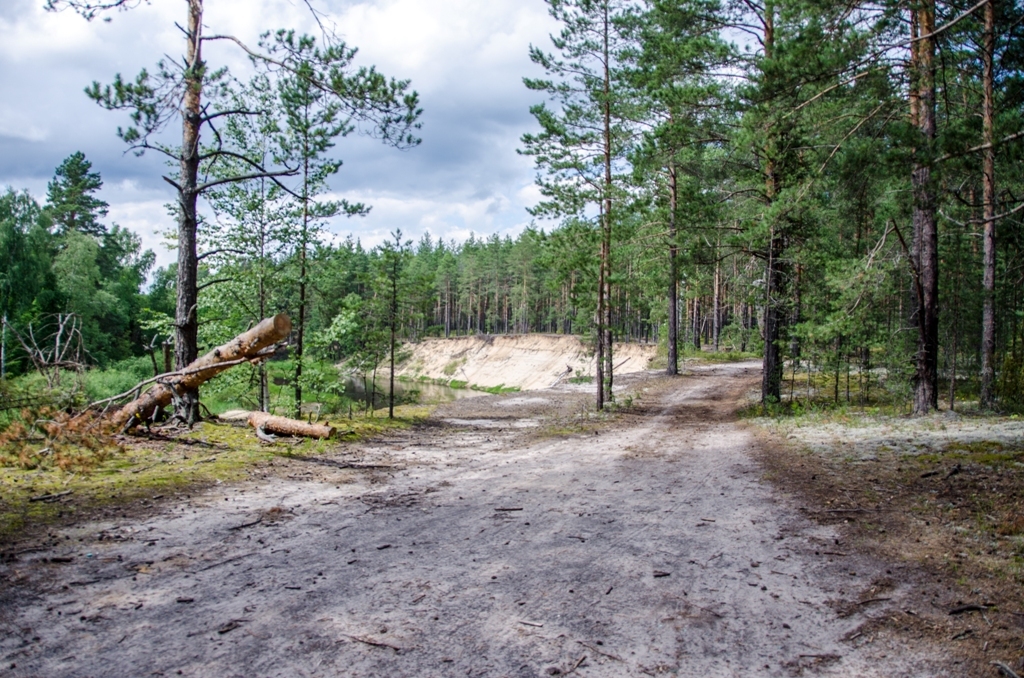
(370, 641)
(51, 497)
(601, 652)
(245, 525)
(231, 626)
(961, 609)
(1005, 670)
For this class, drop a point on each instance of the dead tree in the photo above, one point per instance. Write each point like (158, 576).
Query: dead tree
(289, 427)
(61, 348)
(250, 346)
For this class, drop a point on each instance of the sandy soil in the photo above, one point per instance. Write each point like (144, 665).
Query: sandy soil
(509, 536)
(525, 361)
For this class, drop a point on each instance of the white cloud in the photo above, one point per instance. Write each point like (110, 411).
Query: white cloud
(150, 221)
(466, 58)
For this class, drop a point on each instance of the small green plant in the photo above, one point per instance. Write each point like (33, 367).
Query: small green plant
(500, 388)
(580, 378)
(451, 368)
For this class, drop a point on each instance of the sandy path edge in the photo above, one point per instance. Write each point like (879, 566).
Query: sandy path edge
(653, 548)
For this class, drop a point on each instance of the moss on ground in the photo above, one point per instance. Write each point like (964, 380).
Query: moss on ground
(154, 466)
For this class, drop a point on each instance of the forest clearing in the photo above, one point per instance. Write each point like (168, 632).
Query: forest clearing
(524, 534)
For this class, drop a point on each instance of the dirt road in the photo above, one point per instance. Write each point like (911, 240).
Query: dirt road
(485, 544)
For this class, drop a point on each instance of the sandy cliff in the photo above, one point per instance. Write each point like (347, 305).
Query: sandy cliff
(531, 361)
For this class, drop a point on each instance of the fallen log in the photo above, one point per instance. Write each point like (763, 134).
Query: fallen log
(288, 427)
(246, 347)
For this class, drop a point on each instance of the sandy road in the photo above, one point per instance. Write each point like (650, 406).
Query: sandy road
(651, 548)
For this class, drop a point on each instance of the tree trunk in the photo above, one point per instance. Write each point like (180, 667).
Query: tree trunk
(604, 307)
(926, 237)
(771, 377)
(599, 347)
(716, 328)
(988, 320)
(186, 322)
(393, 312)
(695, 324)
(264, 400)
(774, 313)
(244, 347)
(289, 427)
(304, 237)
(673, 276)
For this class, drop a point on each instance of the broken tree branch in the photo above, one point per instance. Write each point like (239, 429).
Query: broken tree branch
(244, 347)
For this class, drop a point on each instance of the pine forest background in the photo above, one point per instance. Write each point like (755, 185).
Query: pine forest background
(837, 188)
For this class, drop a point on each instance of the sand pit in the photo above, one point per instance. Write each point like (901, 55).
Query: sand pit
(526, 362)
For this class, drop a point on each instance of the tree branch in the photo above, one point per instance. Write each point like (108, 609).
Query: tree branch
(952, 23)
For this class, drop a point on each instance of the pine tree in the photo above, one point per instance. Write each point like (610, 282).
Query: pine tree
(183, 90)
(583, 140)
(70, 200)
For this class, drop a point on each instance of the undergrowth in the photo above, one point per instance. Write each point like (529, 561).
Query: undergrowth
(148, 467)
(48, 438)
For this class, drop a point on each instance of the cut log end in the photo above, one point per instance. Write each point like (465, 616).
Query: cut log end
(282, 324)
(289, 427)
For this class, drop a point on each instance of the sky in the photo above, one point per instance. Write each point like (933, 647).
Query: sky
(465, 58)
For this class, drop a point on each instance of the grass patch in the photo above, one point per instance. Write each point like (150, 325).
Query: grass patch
(147, 469)
(452, 367)
(495, 390)
(720, 356)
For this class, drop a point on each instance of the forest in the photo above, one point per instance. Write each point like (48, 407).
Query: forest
(834, 187)
(764, 307)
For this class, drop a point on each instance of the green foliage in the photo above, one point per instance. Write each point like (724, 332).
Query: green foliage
(780, 190)
(59, 258)
(69, 198)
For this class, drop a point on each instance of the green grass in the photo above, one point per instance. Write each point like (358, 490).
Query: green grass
(219, 452)
(453, 367)
(720, 356)
(495, 390)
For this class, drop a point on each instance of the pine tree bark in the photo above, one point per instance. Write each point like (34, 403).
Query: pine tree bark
(304, 237)
(673, 276)
(604, 384)
(926, 237)
(186, 321)
(393, 323)
(716, 328)
(988, 320)
(774, 313)
(289, 427)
